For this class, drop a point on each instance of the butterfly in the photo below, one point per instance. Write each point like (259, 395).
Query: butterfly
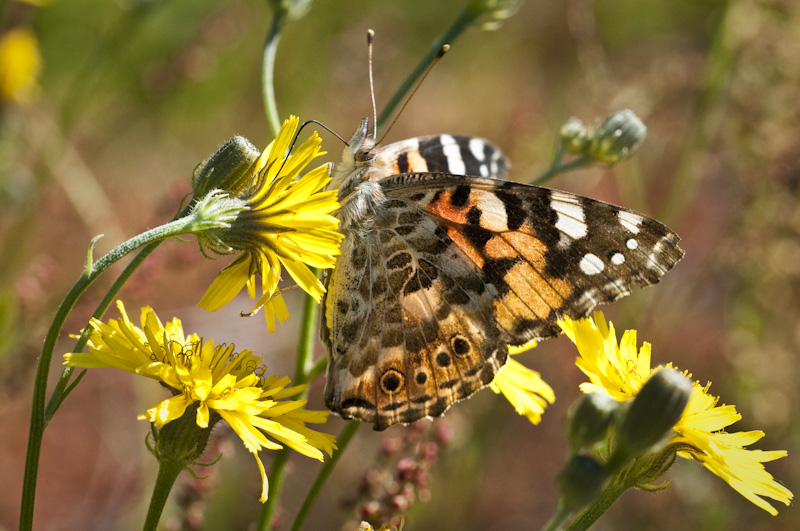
(444, 265)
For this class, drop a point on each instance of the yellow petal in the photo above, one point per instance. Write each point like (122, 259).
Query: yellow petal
(227, 285)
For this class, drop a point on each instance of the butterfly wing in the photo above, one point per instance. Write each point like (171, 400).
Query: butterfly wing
(421, 309)
(545, 253)
(405, 340)
(453, 154)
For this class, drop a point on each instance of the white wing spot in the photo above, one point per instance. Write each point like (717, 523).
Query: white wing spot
(630, 221)
(455, 162)
(493, 213)
(570, 219)
(618, 259)
(591, 264)
(476, 146)
(632, 244)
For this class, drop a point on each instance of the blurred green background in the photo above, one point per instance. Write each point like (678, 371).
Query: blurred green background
(131, 95)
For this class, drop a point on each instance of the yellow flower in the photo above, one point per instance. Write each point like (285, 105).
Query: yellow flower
(523, 388)
(20, 64)
(286, 223)
(619, 371)
(214, 378)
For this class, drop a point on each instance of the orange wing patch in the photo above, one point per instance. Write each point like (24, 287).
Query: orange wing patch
(464, 244)
(442, 205)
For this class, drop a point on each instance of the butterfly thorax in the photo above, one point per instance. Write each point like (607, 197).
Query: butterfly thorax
(360, 197)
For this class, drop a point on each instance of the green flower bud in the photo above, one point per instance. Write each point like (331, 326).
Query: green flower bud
(182, 440)
(618, 137)
(575, 136)
(291, 9)
(590, 420)
(580, 481)
(490, 14)
(654, 411)
(230, 169)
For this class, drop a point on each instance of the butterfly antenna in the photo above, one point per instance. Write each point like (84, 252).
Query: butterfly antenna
(370, 39)
(297, 135)
(322, 125)
(442, 51)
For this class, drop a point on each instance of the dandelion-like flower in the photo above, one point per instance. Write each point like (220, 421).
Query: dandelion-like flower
(217, 381)
(285, 223)
(620, 372)
(523, 387)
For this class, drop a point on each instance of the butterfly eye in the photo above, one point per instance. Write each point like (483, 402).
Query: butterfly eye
(391, 381)
(365, 155)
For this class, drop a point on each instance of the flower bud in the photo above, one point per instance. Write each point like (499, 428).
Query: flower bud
(574, 136)
(182, 440)
(230, 168)
(292, 9)
(490, 14)
(618, 137)
(580, 481)
(654, 411)
(590, 420)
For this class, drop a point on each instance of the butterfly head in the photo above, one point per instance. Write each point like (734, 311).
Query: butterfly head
(356, 158)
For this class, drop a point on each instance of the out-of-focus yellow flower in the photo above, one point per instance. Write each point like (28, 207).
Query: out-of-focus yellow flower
(285, 223)
(619, 371)
(221, 383)
(20, 65)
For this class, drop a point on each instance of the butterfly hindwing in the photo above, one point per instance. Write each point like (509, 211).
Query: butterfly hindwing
(415, 334)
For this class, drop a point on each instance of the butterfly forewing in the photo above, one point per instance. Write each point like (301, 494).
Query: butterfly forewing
(546, 253)
(453, 154)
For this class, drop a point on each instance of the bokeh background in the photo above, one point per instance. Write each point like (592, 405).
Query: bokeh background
(129, 96)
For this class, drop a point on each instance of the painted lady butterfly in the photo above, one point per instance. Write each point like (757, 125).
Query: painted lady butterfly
(444, 265)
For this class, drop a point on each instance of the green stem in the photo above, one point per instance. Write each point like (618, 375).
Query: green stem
(268, 70)
(641, 472)
(39, 418)
(276, 477)
(461, 23)
(318, 368)
(62, 389)
(557, 168)
(342, 441)
(607, 497)
(168, 470)
(305, 346)
(305, 352)
(556, 523)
